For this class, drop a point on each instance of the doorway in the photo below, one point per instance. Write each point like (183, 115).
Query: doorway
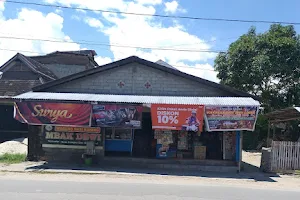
(143, 137)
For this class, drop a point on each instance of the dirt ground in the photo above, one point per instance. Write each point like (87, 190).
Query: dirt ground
(251, 161)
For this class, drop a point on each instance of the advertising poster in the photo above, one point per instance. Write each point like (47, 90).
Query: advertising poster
(60, 135)
(177, 117)
(122, 116)
(39, 113)
(231, 118)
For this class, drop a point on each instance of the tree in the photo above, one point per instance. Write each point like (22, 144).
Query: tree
(266, 65)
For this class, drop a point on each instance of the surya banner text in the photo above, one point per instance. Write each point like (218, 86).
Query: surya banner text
(39, 113)
(177, 117)
(231, 118)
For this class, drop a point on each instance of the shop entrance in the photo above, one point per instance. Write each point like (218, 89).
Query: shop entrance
(9, 127)
(213, 143)
(143, 137)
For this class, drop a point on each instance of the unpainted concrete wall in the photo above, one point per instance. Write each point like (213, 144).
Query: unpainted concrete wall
(134, 78)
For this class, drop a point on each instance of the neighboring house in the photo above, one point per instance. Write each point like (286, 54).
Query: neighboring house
(21, 73)
(64, 63)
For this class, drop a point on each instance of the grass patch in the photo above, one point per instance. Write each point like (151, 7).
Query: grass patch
(12, 158)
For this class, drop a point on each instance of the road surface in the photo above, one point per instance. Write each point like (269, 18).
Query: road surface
(77, 190)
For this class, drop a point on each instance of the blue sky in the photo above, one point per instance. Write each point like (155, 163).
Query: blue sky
(77, 27)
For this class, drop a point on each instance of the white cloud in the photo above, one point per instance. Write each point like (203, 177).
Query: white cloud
(92, 4)
(80, 10)
(75, 17)
(58, 11)
(139, 32)
(1, 9)
(205, 71)
(102, 60)
(33, 24)
(171, 6)
(149, 2)
(93, 22)
(2, 5)
(148, 31)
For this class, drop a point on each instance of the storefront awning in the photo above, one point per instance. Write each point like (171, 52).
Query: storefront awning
(217, 101)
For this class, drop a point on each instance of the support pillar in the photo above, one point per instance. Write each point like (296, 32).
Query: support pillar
(238, 151)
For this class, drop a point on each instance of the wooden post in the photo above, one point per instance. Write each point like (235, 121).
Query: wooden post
(274, 131)
(224, 146)
(132, 139)
(268, 137)
(34, 142)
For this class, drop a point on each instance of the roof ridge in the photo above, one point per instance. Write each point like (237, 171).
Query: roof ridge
(32, 64)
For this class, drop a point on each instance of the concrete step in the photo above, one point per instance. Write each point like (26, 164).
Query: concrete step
(148, 161)
(157, 164)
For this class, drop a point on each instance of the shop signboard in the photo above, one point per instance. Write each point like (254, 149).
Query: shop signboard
(39, 113)
(231, 118)
(78, 136)
(177, 117)
(120, 116)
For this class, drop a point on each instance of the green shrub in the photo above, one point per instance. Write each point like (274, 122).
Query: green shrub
(12, 158)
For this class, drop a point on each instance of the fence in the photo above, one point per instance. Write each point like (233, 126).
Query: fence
(285, 156)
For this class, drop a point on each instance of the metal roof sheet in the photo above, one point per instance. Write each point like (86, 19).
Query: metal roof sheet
(224, 101)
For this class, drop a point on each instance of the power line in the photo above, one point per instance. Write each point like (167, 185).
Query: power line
(168, 46)
(34, 52)
(114, 45)
(154, 15)
(15, 50)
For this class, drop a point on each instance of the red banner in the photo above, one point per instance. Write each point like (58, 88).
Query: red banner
(53, 113)
(177, 117)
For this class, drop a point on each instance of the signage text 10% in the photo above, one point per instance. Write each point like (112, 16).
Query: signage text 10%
(167, 119)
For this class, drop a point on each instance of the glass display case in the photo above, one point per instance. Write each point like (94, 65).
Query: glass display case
(118, 140)
(118, 134)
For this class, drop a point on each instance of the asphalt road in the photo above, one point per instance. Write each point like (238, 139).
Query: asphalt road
(65, 190)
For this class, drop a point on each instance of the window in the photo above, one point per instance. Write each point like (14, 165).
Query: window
(118, 134)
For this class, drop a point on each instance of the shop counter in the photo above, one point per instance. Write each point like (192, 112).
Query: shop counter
(118, 145)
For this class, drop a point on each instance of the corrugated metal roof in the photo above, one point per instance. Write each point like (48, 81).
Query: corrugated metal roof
(225, 101)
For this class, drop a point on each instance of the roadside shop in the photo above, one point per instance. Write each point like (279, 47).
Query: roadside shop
(176, 132)
(157, 113)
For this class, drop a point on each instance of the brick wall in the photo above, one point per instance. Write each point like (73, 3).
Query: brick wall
(134, 78)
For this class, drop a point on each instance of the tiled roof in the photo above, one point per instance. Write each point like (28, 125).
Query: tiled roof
(16, 87)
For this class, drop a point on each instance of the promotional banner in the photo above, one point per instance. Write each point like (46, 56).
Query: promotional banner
(124, 116)
(177, 117)
(60, 135)
(231, 118)
(53, 113)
